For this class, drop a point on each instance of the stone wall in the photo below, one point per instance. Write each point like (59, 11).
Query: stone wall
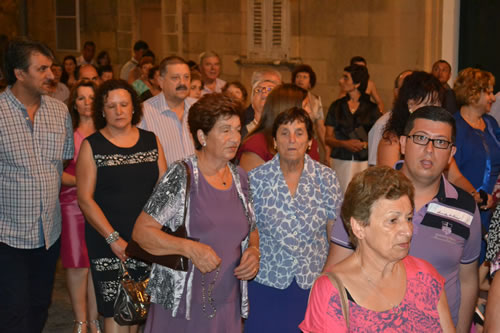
(9, 14)
(391, 35)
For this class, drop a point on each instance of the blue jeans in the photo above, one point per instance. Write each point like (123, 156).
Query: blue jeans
(26, 283)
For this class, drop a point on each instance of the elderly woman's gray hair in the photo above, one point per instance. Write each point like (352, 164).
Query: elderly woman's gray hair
(269, 74)
(365, 188)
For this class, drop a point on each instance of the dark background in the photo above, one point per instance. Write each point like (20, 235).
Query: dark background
(479, 42)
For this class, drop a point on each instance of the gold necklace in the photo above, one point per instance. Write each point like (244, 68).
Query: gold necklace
(394, 308)
(223, 176)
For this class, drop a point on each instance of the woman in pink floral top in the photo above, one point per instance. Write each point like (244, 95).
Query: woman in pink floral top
(387, 290)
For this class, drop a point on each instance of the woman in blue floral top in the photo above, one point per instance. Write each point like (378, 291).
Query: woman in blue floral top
(296, 201)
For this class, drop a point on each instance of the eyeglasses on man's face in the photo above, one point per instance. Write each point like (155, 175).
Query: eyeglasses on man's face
(423, 140)
(261, 90)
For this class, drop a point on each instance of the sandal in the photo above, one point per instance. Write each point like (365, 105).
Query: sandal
(97, 325)
(79, 326)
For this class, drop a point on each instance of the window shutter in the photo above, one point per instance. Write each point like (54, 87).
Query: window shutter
(268, 29)
(279, 32)
(256, 28)
(171, 27)
(67, 25)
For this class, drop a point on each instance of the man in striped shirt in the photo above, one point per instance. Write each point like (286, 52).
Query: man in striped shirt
(166, 113)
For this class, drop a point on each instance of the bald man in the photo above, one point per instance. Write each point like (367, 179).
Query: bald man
(88, 72)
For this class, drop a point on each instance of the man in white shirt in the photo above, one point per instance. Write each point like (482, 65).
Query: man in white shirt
(139, 48)
(210, 65)
(87, 56)
(166, 114)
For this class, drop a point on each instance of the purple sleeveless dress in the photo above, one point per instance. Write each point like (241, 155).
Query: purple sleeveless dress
(217, 218)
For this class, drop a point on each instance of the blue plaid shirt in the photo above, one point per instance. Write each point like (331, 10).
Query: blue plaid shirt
(31, 164)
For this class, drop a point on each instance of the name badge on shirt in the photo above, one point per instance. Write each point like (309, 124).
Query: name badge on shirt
(449, 213)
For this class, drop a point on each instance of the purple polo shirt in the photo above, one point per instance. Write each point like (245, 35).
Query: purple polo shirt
(446, 233)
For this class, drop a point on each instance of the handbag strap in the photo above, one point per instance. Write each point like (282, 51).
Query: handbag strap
(188, 189)
(337, 283)
(123, 271)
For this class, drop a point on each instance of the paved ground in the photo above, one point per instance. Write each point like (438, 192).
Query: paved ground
(60, 313)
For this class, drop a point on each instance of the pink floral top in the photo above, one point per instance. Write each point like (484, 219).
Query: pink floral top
(418, 309)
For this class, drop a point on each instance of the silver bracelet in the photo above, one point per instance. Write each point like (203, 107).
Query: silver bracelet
(113, 237)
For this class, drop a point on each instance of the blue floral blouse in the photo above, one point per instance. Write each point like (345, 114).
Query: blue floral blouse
(292, 230)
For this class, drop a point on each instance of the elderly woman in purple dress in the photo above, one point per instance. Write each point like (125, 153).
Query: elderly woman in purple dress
(222, 244)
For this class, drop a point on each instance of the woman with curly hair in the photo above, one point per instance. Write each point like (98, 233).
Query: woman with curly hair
(478, 147)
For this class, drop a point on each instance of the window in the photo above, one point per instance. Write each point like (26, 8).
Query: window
(268, 31)
(67, 25)
(171, 26)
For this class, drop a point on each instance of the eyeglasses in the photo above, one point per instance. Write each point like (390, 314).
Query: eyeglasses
(263, 90)
(423, 140)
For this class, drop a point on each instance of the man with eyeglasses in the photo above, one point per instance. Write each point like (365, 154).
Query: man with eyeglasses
(263, 82)
(446, 222)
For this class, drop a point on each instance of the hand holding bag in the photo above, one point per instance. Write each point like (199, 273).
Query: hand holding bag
(132, 302)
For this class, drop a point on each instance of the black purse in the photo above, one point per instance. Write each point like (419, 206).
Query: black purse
(131, 303)
(174, 261)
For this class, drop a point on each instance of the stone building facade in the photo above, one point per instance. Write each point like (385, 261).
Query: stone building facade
(391, 35)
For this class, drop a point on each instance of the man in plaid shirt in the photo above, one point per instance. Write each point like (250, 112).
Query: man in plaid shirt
(35, 138)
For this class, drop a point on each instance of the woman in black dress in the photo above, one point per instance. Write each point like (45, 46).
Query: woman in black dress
(116, 171)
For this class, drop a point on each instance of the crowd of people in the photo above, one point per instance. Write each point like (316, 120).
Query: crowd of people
(288, 218)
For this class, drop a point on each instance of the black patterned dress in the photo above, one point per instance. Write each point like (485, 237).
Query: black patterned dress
(125, 180)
